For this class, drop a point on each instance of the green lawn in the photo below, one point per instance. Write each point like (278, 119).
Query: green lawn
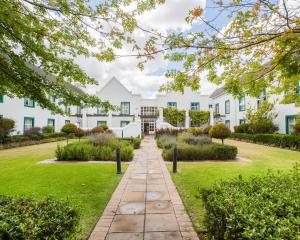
(193, 176)
(87, 186)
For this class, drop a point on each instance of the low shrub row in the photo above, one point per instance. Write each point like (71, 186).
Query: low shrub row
(22, 218)
(276, 140)
(193, 140)
(169, 131)
(166, 141)
(87, 151)
(212, 151)
(263, 207)
(37, 137)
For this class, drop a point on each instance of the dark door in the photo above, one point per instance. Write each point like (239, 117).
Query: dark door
(146, 128)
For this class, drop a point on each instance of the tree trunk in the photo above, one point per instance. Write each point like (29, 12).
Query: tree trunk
(222, 141)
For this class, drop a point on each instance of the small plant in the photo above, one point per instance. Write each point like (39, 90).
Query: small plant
(6, 127)
(98, 129)
(166, 141)
(193, 140)
(196, 131)
(206, 129)
(79, 133)
(32, 131)
(220, 131)
(105, 139)
(69, 129)
(48, 129)
(242, 128)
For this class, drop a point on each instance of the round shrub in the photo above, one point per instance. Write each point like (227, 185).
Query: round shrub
(242, 128)
(48, 129)
(69, 128)
(22, 218)
(104, 127)
(196, 131)
(220, 131)
(297, 127)
(79, 133)
(6, 127)
(98, 129)
(206, 129)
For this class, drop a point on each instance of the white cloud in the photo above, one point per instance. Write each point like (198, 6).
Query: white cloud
(169, 16)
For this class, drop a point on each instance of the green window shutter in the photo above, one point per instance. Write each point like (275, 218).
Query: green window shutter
(1, 98)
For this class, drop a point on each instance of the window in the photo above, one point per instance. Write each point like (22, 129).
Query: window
(1, 116)
(78, 110)
(172, 105)
(67, 110)
(124, 123)
(148, 111)
(262, 97)
(99, 123)
(67, 121)
(125, 108)
(217, 109)
(1, 98)
(227, 123)
(210, 106)
(29, 103)
(290, 123)
(101, 111)
(242, 121)
(51, 122)
(28, 123)
(195, 106)
(227, 107)
(242, 104)
(51, 98)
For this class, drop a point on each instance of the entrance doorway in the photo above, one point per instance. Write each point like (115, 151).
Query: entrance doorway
(148, 126)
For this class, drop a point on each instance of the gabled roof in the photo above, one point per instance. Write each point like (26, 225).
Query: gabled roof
(114, 79)
(218, 92)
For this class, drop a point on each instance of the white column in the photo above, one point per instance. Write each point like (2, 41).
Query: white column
(161, 114)
(109, 119)
(187, 119)
(211, 116)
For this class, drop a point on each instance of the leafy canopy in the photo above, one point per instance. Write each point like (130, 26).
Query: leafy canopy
(39, 38)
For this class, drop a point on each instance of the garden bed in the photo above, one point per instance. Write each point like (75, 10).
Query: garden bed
(99, 147)
(194, 148)
(276, 140)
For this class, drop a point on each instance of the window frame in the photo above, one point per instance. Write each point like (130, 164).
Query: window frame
(26, 104)
(172, 105)
(227, 121)
(51, 119)
(101, 122)
(1, 98)
(67, 121)
(242, 107)
(124, 121)
(217, 104)
(27, 118)
(227, 111)
(242, 121)
(121, 110)
(198, 106)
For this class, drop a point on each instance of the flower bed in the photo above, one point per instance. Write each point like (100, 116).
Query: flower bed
(22, 218)
(194, 148)
(276, 140)
(263, 207)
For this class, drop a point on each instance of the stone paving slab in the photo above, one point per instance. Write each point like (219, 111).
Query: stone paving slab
(146, 204)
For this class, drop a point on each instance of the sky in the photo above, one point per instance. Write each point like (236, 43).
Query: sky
(167, 17)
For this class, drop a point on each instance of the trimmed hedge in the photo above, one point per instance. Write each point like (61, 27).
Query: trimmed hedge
(169, 131)
(212, 151)
(136, 142)
(276, 140)
(23, 219)
(263, 207)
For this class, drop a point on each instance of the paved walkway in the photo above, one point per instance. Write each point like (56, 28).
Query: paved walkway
(146, 204)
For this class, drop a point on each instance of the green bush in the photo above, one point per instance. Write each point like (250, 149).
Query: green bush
(196, 131)
(126, 153)
(206, 129)
(75, 151)
(174, 116)
(212, 151)
(297, 126)
(105, 139)
(6, 127)
(193, 140)
(104, 153)
(69, 128)
(98, 129)
(168, 131)
(242, 128)
(135, 142)
(220, 131)
(198, 117)
(166, 141)
(48, 129)
(79, 133)
(25, 219)
(276, 140)
(263, 207)
(264, 126)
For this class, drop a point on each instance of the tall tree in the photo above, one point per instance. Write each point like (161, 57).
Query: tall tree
(39, 39)
(257, 48)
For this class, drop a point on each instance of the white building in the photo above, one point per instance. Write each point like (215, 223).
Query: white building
(232, 111)
(136, 115)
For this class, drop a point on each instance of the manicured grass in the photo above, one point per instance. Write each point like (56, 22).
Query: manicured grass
(87, 186)
(193, 176)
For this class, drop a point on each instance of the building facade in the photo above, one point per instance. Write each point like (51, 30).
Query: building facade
(136, 115)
